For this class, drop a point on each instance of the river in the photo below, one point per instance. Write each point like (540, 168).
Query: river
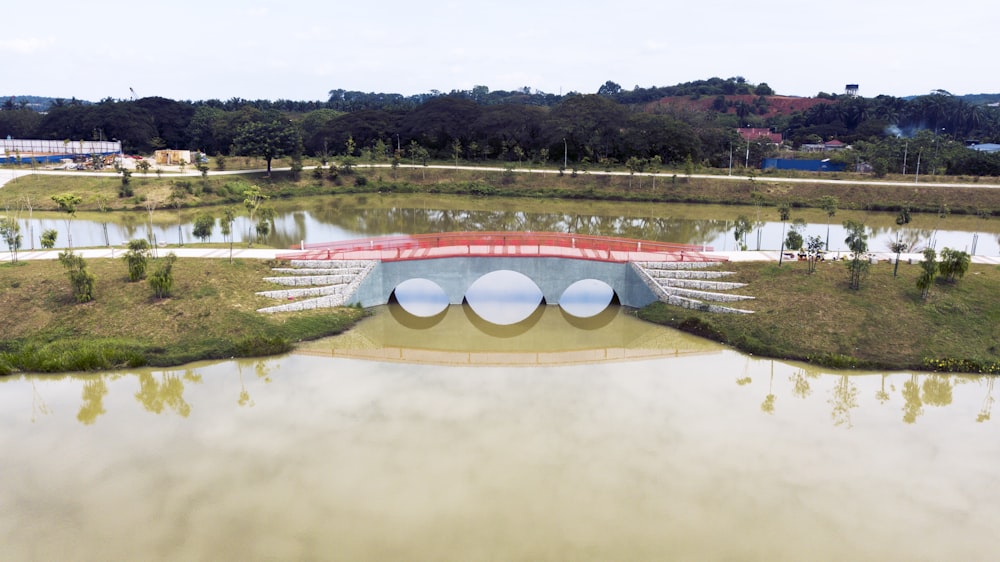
(333, 218)
(556, 439)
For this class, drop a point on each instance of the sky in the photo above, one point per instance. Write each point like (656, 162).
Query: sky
(302, 49)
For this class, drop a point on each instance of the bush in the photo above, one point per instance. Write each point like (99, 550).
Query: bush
(699, 327)
(137, 258)
(162, 280)
(49, 238)
(260, 346)
(81, 280)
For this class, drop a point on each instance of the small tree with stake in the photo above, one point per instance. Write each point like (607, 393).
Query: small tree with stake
(226, 227)
(902, 219)
(11, 232)
(783, 212)
(928, 272)
(67, 203)
(252, 200)
(814, 245)
(857, 243)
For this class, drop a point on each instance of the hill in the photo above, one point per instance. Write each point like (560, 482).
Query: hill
(771, 105)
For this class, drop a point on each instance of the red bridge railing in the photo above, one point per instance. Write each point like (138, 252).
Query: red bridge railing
(501, 244)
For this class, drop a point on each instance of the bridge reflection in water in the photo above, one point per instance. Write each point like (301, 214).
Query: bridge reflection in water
(550, 336)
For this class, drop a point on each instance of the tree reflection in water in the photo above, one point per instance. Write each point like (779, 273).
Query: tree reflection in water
(843, 398)
(800, 384)
(94, 391)
(984, 412)
(768, 405)
(912, 406)
(168, 392)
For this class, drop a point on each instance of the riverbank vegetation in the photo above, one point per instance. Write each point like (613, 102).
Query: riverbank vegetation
(211, 314)
(886, 324)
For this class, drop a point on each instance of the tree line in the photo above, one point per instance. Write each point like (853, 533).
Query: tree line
(610, 127)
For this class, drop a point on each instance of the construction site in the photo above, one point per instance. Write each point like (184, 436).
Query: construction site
(65, 154)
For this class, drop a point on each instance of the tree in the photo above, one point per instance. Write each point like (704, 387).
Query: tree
(177, 195)
(784, 211)
(10, 229)
(857, 243)
(273, 138)
(136, 259)
(741, 228)
(67, 203)
(125, 190)
(456, 150)
(609, 89)
(49, 238)
(829, 204)
(928, 271)
(162, 279)
(814, 246)
(226, 227)
(204, 223)
(252, 200)
(347, 165)
(81, 280)
(794, 240)
(104, 206)
(902, 219)
(265, 221)
(150, 203)
(953, 264)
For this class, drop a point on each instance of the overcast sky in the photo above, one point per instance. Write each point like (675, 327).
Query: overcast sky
(302, 49)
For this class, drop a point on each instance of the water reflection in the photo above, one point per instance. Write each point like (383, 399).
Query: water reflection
(619, 441)
(586, 298)
(333, 218)
(504, 297)
(421, 297)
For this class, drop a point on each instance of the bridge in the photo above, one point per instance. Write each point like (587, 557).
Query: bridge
(367, 271)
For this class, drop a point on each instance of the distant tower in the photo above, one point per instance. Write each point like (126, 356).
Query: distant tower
(851, 90)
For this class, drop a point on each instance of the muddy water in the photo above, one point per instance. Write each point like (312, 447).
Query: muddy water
(448, 439)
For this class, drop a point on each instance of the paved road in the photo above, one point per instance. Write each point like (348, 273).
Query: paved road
(8, 175)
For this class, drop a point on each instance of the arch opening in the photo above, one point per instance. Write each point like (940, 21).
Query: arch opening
(587, 298)
(504, 297)
(421, 297)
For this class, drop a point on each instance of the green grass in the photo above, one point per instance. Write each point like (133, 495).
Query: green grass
(885, 324)
(212, 315)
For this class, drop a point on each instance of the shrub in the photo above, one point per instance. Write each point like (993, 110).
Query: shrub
(162, 280)
(49, 238)
(137, 258)
(81, 280)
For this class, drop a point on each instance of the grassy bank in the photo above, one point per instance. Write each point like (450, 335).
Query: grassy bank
(885, 325)
(667, 187)
(211, 315)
